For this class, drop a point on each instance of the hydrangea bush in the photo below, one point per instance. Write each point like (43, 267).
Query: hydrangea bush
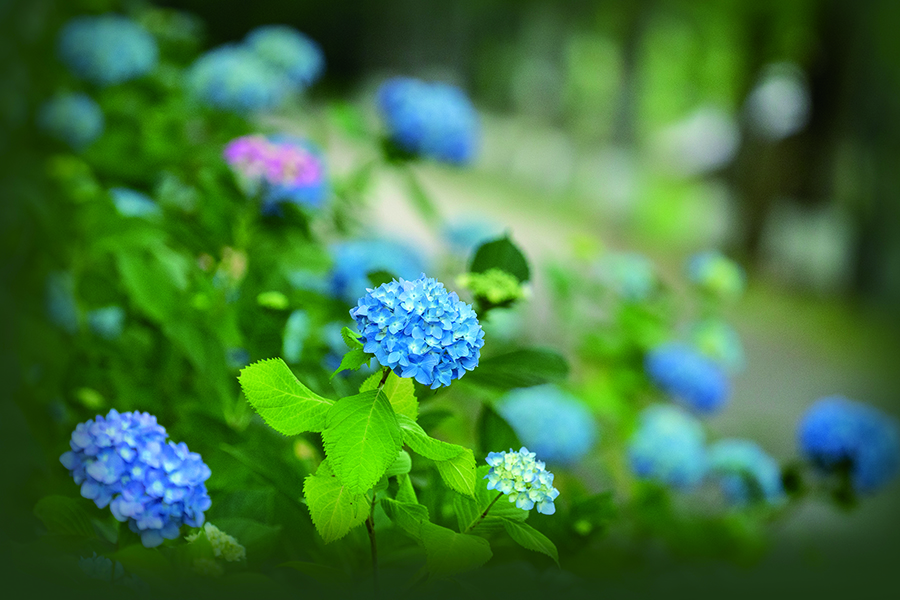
(745, 472)
(107, 49)
(688, 377)
(74, 119)
(524, 480)
(668, 446)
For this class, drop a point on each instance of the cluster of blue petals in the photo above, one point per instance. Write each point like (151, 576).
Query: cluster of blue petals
(420, 330)
(289, 51)
(745, 472)
(668, 446)
(435, 120)
(74, 119)
(837, 433)
(523, 479)
(234, 78)
(556, 424)
(353, 261)
(125, 461)
(689, 377)
(630, 276)
(716, 274)
(132, 203)
(107, 49)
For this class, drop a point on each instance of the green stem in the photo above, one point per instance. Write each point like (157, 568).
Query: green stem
(387, 373)
(370, 527)
(481, 517)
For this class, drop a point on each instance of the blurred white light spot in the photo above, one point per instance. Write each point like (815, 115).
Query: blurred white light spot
(704, 141)
(779, 105)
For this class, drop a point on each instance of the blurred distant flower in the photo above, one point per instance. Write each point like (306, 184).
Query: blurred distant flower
(719, 341)
(237, 358)
(125, 461)
(289, 51)
(668, 447)
(716, 274)
(435, 120)
(557, 425)
(74, 119)
(629, 275)
(688, 377)
(705, 140)
(745, 472)
(223, 545)
(59, 301)
(310, 281)
(107, 49)
(282, 168)
(354, 260)
(836, 433)
(235, 79)
(107, 322)
(419, 329)
(525, 480)
(465, 236)
(495, 286)
(131, 203)
(295, 332)
(779, 105)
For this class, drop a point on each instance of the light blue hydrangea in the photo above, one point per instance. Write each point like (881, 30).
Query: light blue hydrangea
(836, 433)
(107, 322)
(465, 235)
(629, 275)
(716, 274)
(233, 78)
(59, 301)
(688, 377)
(419, 329)
(131, 203)
(523, 479)
(124, 461)
(296, 329)
(719, 341)
(745, 472)
(107, 49)
(556, 424)
(292, 53)
(74, 119)
(434, 120)
(354, 260)
(668, 446)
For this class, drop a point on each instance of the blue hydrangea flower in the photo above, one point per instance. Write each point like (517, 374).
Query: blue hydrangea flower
(688, 377)
(668, 446)
(74, 119)
(124, 461)
(525, 480)
(354, 260)
(719, 341)
(289, 51)
(235, 79)
(435, 120)
(59, 301)
(745, 472)
(295, 332)
(629, 275)
(420, 329)
(131, 203)
(837, 433)
(107, 49)
(107, 322)
(556, 424)
(716, 274)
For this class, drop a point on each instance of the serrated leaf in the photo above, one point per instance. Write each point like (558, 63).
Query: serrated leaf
(522, 368)
(334, 509)
(284, 403)
(400, 391)
(531, 539)
(362, 438)
(416, 438)
(352, 361)
(459, 472)
(448, 553)
(401, 465)
(501, 254)
(405, 490)
(64, 516)
(408, 516)
(351, 338)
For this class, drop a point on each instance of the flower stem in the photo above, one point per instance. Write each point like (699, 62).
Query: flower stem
(481, 517)
(370, 527)
(387, 373)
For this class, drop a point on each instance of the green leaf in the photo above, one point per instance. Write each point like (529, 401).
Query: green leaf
(501, 254)
(401, 466)
(351, 339)
(352, 361)
(416, 438)
(494, 433)
(448, 553)
(284, 403)
(459, 472)
(408, 516)
(154, 279)
(522, 368)
(334, 509)
(362, 439)
(401, 393)
(531, 539)
(273, 299)
(469, 509)
(405, 490)
(64, 516)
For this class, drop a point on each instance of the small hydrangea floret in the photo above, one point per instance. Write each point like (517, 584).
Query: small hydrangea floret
(74, 119)
(294, 54)
(523, 479)
(224, 546)
(126, 462)
(419, 329)
(668, 446)
(689, 377)
(107, 49)
(232, 78)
